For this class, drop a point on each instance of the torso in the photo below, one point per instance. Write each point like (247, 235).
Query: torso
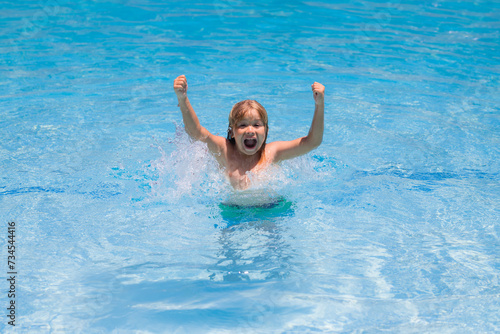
(239, 171)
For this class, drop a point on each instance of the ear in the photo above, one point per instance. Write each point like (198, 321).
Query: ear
(230, 133)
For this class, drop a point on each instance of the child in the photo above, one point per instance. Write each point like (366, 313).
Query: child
(245, 149)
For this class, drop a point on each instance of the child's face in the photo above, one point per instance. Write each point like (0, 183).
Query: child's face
(249, 133)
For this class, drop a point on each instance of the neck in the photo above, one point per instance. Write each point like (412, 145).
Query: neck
(249, 160)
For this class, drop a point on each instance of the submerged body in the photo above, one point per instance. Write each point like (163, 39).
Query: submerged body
(245, 150)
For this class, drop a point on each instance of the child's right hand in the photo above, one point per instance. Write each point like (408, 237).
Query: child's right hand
(180, 86)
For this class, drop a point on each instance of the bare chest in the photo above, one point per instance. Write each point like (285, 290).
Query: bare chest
(240, 177)
(242, 173)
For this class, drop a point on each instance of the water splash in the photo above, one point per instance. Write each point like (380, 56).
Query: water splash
(189, 171)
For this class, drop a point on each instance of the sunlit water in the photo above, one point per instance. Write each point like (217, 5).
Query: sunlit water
(125, 226)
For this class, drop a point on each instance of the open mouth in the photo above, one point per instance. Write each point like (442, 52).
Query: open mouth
(250, 144)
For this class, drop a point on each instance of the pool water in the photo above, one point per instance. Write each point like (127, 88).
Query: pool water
(123, 225)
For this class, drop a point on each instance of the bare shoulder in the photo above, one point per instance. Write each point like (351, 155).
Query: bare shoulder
(282, 150)
(216, 141)
(218, 147)
(273, 151)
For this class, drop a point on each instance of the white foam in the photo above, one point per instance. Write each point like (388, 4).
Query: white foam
(190, 171)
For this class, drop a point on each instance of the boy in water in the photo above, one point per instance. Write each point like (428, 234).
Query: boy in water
(245, 149)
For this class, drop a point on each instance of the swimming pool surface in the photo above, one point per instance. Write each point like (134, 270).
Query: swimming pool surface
(125, 226)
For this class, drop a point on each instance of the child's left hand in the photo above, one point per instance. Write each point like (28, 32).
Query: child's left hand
(318, 92)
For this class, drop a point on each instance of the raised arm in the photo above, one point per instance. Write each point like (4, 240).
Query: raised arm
(283, 150)
(191, 122)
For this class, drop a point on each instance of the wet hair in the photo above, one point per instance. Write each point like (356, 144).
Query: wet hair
(238, 113)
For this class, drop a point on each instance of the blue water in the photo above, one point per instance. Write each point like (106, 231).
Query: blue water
(391, 225)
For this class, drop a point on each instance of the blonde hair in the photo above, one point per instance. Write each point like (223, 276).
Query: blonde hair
(239, 111)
